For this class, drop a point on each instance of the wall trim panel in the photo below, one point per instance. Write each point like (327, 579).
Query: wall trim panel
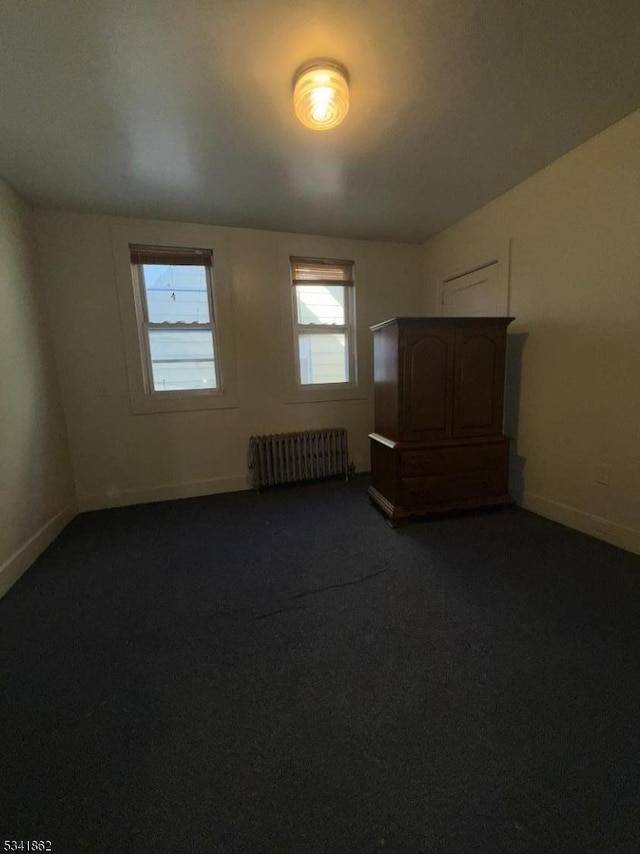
(175, 491)
(161, 492)
(19, 562)
(595, 526)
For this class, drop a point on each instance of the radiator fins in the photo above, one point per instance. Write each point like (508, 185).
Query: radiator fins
(294, 457)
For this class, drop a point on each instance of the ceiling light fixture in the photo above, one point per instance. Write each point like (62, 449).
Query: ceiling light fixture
(321, 94)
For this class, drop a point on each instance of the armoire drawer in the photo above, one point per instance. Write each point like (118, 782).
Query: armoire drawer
(449, 488)
(454, 460)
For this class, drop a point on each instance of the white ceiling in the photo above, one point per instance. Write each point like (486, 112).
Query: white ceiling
(182, 110)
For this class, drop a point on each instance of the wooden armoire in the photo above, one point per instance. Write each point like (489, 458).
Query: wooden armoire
(439, 388)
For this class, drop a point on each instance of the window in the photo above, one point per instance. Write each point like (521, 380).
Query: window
(323, 308)
(176, 319)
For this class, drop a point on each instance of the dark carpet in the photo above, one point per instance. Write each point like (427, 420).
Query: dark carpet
(286, 673)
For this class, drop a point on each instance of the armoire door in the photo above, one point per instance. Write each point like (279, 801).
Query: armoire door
(427, 387)
(479, 380)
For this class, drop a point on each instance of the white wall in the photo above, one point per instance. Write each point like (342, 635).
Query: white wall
(120, 457)
(36, 486)
(575, 291)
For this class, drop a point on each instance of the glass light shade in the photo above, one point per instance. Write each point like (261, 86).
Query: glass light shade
(321, 95)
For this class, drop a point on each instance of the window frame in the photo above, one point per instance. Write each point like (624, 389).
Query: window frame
(154, 233)
(348, 328)
(317, 246)
(145, 325)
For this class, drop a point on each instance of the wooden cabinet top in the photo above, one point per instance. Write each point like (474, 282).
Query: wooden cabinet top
(408, 322)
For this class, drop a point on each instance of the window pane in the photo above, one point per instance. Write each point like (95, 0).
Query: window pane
(176, 293)
(182, 359)
(323, 358)
(320, 304)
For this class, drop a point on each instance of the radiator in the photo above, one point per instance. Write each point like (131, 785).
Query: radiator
(293, 457)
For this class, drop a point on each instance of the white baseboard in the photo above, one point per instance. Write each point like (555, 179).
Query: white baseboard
(595, 526)
(170, 491)
(162, 492)
(22, 558)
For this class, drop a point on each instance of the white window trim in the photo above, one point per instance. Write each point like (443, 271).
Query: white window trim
(320, 248)
(145, 326)
(347, 328)
(134, 333)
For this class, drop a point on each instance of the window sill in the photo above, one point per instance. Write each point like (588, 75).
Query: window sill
(323, 394)
(149, 404)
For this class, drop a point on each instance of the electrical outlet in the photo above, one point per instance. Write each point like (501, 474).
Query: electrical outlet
(603, 474)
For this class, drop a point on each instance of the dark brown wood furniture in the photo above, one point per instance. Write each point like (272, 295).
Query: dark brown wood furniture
(439, 387)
